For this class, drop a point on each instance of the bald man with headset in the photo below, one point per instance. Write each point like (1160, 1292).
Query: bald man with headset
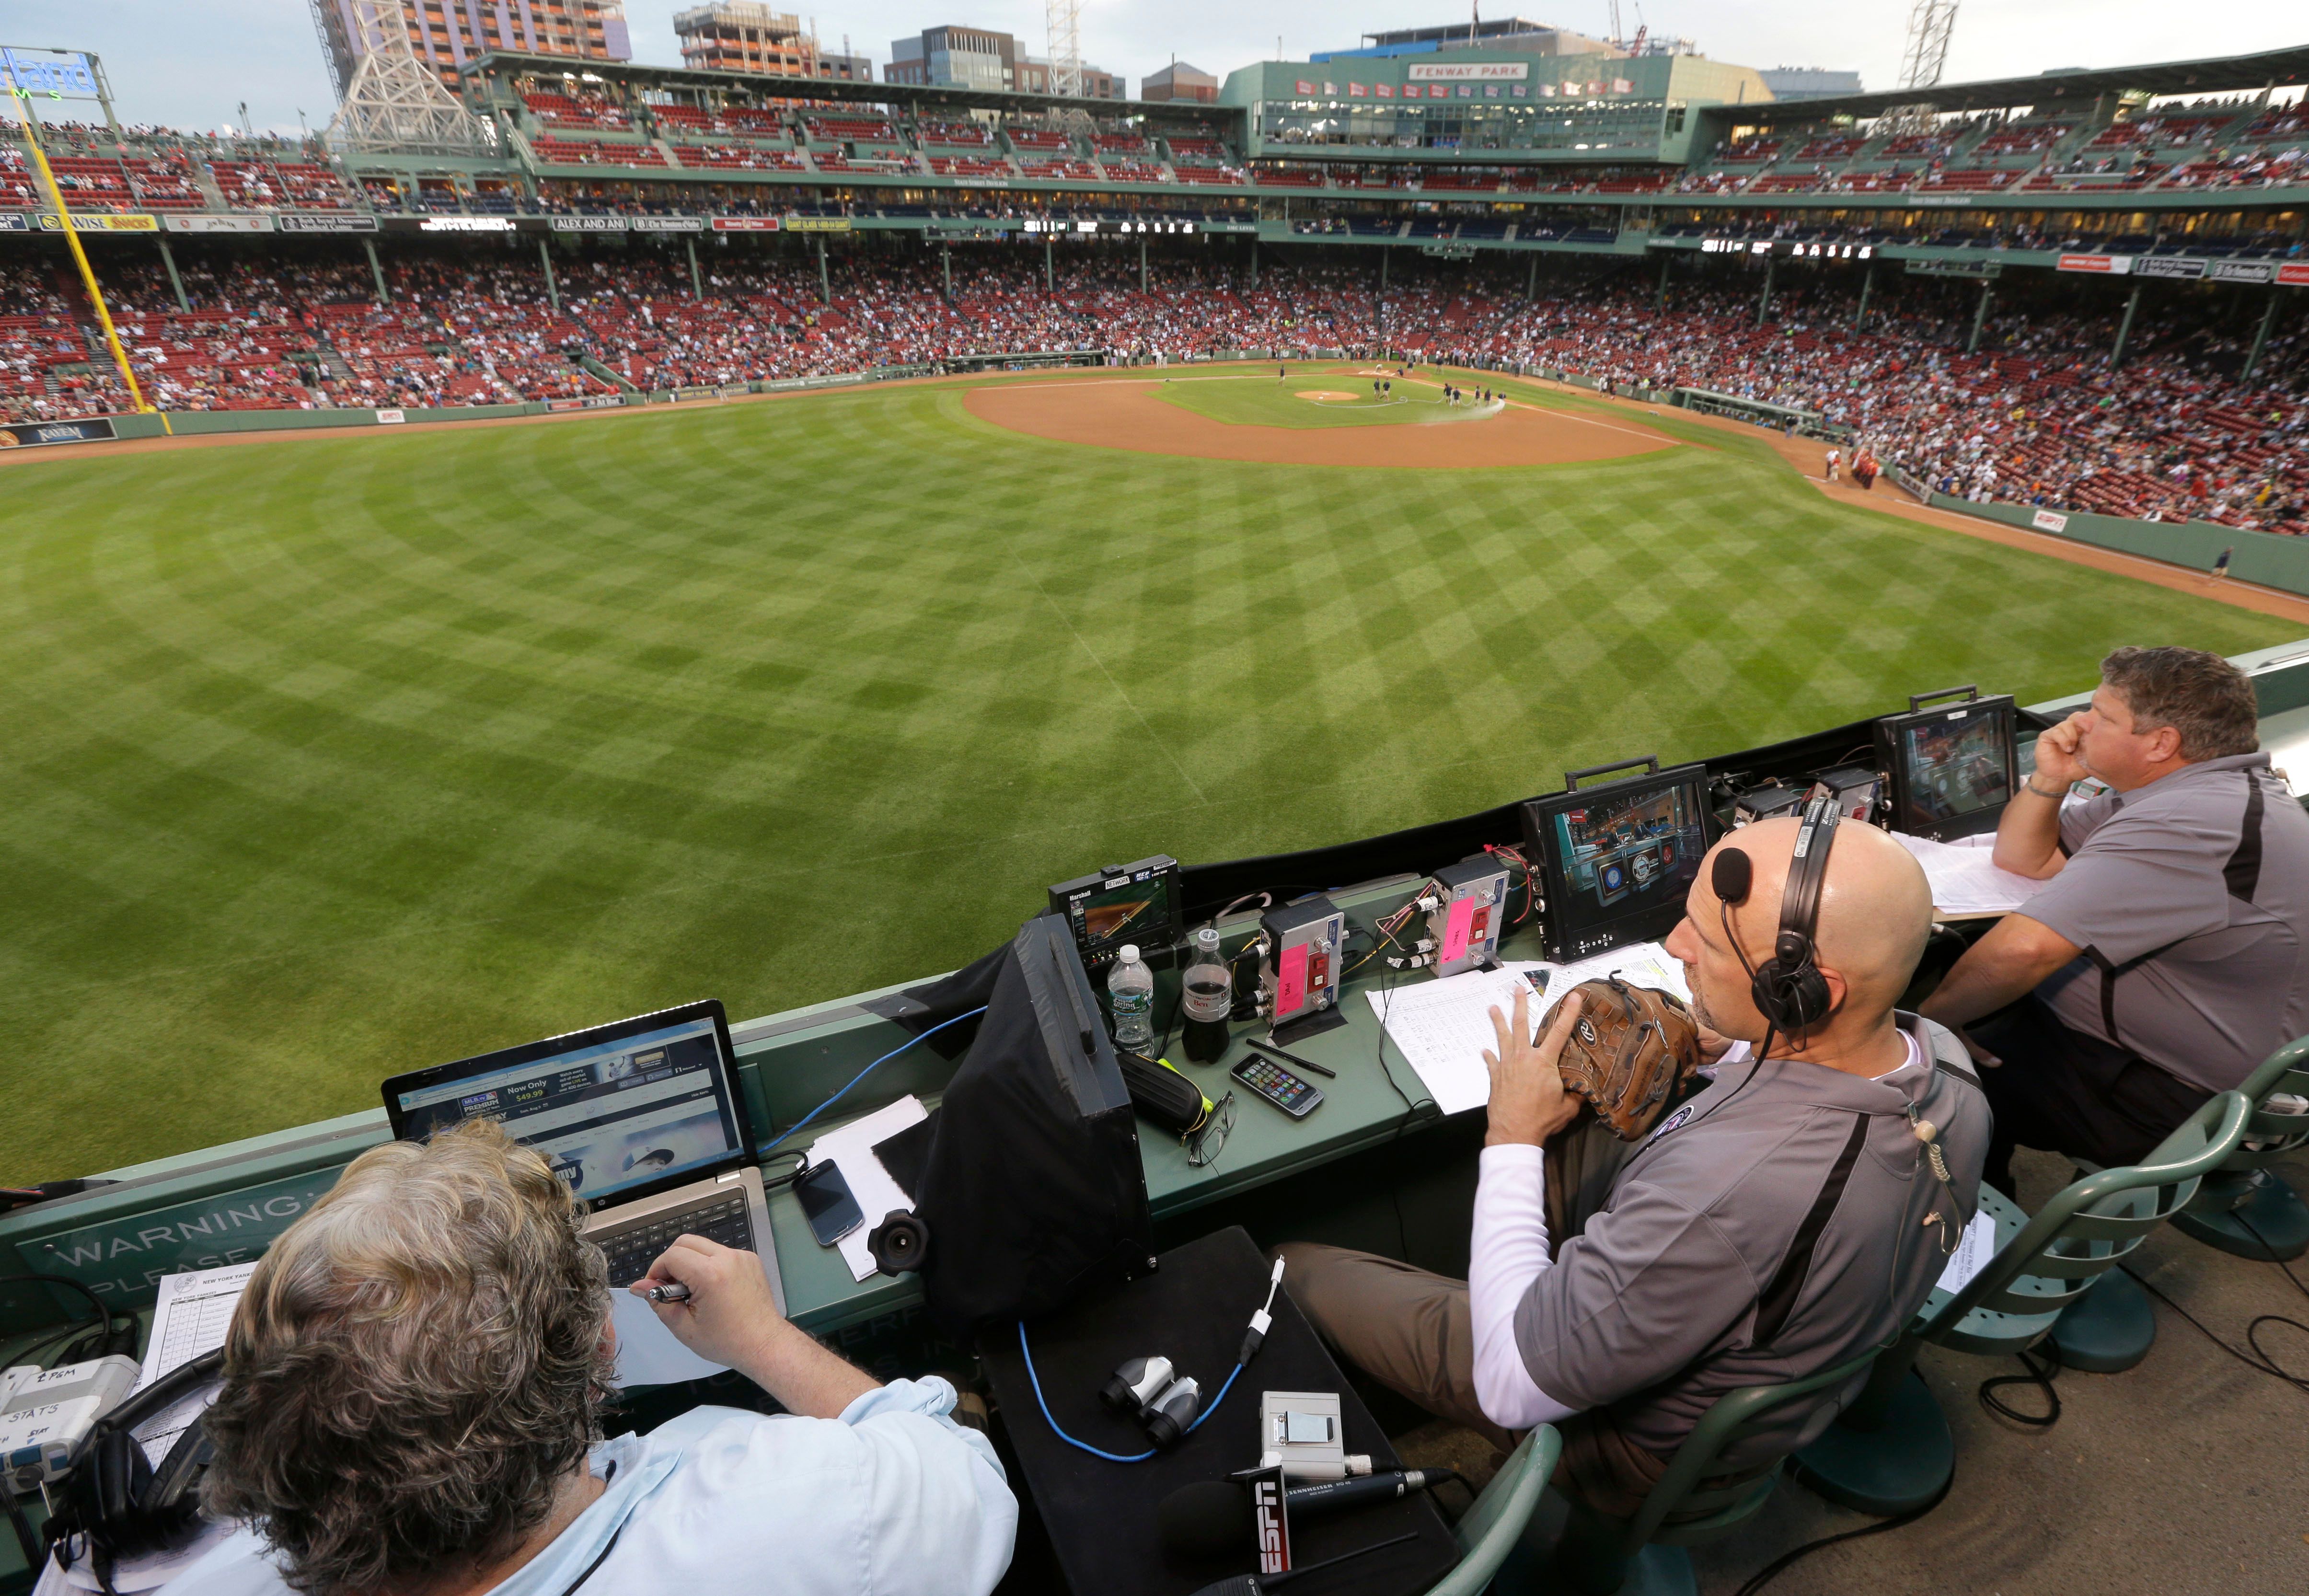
(1786, 1217)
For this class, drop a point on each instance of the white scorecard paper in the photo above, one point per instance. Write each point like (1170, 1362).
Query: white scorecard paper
(1973, 1251)
(853, 1147)
(1964, 877)
(190, 1317)
(1444, 1027)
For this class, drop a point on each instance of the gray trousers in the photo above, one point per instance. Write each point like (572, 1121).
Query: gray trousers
(1409, 1328)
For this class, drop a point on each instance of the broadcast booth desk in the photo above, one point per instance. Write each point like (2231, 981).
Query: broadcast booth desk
(1320, 1177)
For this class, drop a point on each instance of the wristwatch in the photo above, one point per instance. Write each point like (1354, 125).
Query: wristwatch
(2056, 793)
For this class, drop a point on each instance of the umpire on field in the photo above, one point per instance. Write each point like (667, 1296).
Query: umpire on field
(1782, 1220)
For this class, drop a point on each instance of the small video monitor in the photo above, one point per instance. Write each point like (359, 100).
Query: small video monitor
(1122, 904)
(1950, 769)
(1619, 857)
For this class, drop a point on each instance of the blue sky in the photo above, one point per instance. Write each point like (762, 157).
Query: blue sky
(190, 63)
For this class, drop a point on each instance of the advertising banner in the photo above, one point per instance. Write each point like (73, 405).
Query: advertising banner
(466, 224)
(2168, 265)
(669, 224)
(2113, 266)
(14, 221)
(2295, 275)
(2242, 270)
(586, 224)
(2049, 521)
(391, 418)
(817, 224)
(745, 224)
(102, 223)
(217, 224)
(325, 223)
(64, 72)
(34, 434)
(1468, 72)
(590, 401)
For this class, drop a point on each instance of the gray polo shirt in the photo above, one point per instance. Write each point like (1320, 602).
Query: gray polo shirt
(1771, 1227)
(2191, 899)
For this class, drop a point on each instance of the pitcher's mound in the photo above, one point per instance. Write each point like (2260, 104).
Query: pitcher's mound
(1326, 395)
(1124, 413)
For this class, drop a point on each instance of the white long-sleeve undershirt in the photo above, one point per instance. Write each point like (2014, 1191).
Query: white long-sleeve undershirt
(1507, 1252)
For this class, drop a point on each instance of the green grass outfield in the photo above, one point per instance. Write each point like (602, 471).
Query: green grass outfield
(1256, 398)
(332, 758)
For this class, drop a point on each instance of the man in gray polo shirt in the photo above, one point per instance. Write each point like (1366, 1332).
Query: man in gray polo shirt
(1784, 1219)
(2163, 959)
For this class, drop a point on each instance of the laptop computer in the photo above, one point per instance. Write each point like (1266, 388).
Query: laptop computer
(641, 1117)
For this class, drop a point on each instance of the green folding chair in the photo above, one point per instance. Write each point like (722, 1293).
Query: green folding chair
(2245, 1207)
(1891, 1450)
(1489, 1530)
(1692, 1503)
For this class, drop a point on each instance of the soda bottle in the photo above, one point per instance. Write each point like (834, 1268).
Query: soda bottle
(1131, 990)
(1206, 995)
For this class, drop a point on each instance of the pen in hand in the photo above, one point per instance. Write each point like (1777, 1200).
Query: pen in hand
(674, 1291)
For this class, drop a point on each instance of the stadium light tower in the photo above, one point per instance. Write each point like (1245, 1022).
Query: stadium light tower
(395, 104)
(1065, 17)
(1922, 62)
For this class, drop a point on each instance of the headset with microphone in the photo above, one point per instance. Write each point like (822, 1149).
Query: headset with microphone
(1788, 988)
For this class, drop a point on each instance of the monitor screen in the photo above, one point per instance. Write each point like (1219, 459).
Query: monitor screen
(1956, 763)
(610, 1115)
(1132, 904)
(1621, 858)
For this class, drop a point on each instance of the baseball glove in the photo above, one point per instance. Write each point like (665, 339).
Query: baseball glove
(1632, 1047)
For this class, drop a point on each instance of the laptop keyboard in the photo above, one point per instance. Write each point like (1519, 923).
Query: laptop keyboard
(632, 1250)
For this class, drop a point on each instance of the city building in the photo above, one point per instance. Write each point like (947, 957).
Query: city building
(749, 35)
(1810, 83)
(1500, 33)
(980, 58)
(447, 36)
(1179, 81)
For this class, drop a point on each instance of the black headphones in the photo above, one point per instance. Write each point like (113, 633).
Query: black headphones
(1790, 992)
(112, 1504)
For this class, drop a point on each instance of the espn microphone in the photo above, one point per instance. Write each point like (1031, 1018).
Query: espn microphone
(1208, 1522)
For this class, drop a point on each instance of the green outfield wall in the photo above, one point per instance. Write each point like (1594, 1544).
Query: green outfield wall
(2269, 559)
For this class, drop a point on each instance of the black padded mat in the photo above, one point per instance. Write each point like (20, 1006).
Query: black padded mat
(1193, 1311)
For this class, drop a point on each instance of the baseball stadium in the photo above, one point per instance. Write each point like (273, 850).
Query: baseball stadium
(887, 582)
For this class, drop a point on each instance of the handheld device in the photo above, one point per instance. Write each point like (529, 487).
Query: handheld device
(1278, 1086)
(1299, 1432)
(1617, 857)
(1123, 903)
(1950, 769)
(826, 1202)
(1465, 926)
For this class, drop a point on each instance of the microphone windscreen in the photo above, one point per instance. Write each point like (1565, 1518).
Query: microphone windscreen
(1205, 1522)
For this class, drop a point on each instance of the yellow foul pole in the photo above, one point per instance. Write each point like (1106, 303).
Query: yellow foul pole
(16, 97)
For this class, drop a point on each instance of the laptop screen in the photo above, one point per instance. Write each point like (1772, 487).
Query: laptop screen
(621, 1109)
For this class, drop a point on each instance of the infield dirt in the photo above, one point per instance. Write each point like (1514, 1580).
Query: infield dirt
(1129, 415)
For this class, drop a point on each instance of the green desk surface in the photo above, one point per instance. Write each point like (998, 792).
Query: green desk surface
(1359, 1110)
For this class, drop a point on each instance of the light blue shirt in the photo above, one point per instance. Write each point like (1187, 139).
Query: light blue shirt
(893, 1498)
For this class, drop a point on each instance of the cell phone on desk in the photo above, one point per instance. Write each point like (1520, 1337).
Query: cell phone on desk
(826, 1202)
(1278, 1086)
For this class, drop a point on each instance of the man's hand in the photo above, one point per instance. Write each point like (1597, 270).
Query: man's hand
(2056, 752)
(1529, 1103)
(730, 1316)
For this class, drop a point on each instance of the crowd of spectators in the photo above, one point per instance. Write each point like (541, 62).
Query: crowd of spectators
(2037, 416)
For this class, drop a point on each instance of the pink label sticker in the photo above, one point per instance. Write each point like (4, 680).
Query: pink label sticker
(1291, 981)
(1455, 928)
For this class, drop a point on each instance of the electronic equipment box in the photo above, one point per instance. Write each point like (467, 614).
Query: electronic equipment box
(1950, 770)
(1856, 791)
(1122, 906)
(1765, 801)
(1465, 927)
(1302, 965)
(1617, 857)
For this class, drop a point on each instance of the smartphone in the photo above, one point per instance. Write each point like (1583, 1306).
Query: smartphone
(826, 1202)
(1278, 1086)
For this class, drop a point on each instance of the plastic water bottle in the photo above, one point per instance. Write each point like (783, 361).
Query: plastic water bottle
(1206, 995)
(1131, 989)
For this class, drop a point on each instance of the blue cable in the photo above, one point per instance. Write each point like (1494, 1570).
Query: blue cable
(1112, 1457)
(870, 1069)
